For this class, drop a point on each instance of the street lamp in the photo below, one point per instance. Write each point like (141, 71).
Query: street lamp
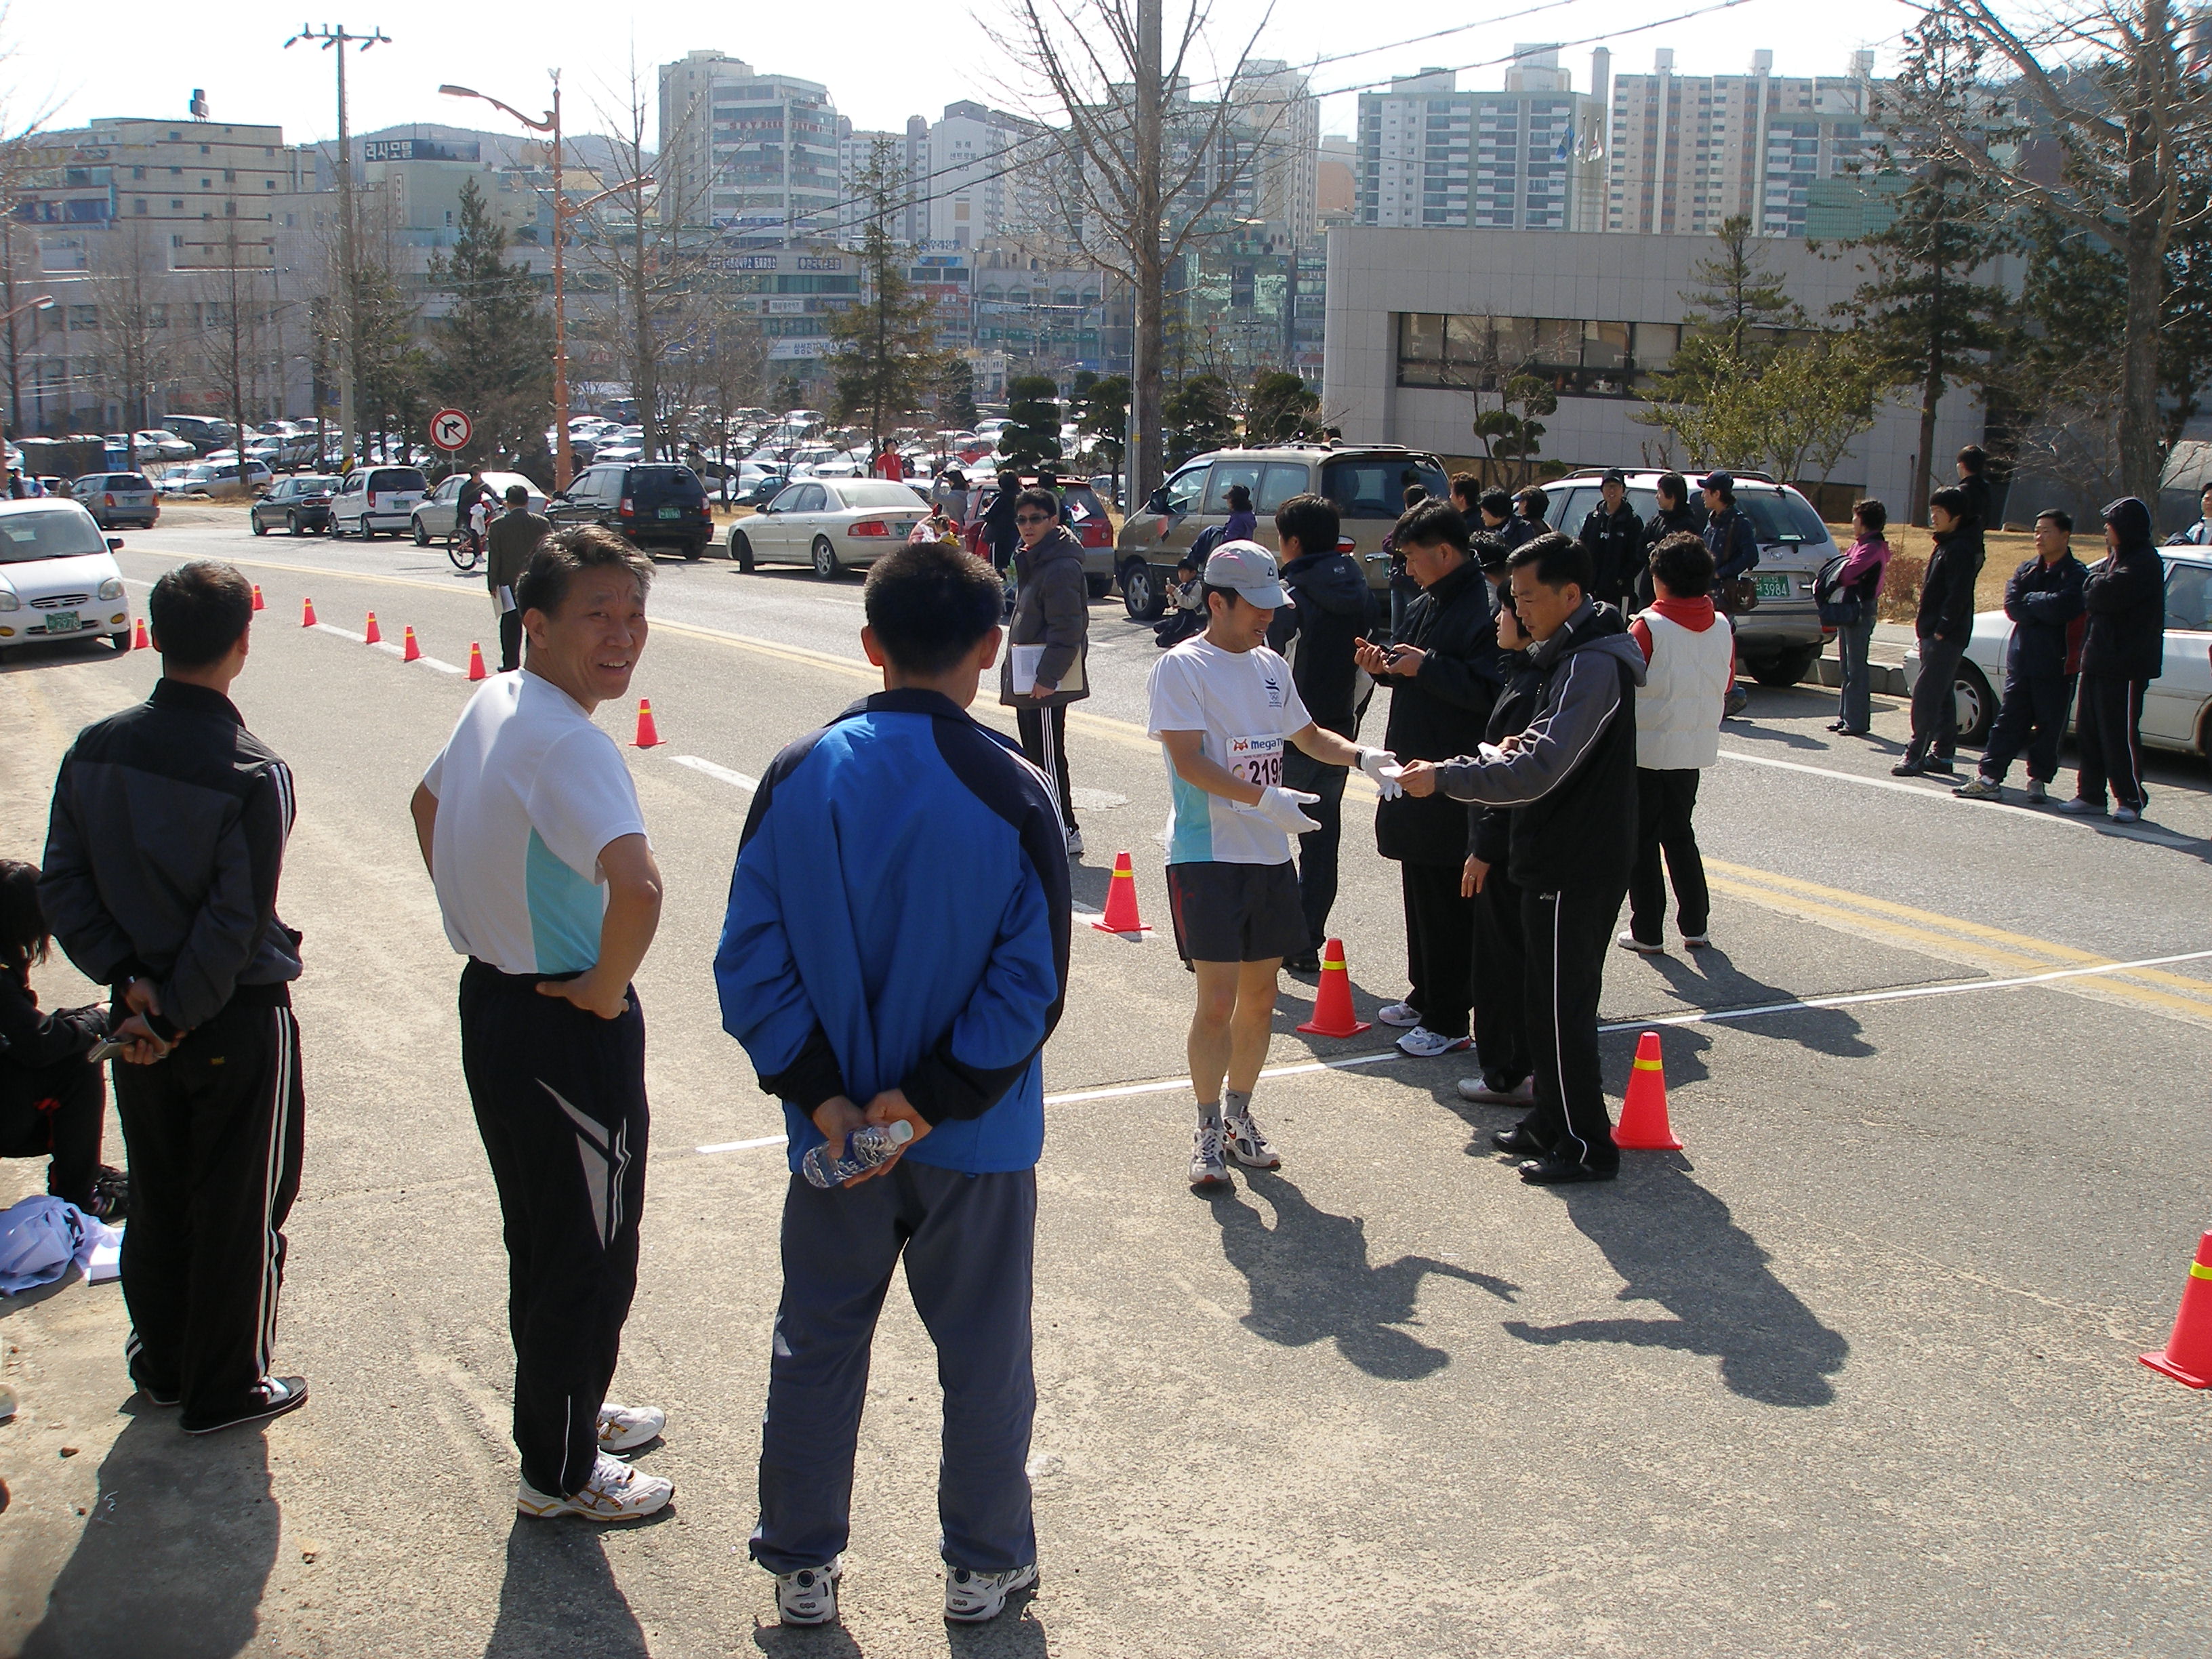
(42, 302)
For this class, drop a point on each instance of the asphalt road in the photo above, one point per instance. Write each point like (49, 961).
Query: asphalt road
(1853, 1375)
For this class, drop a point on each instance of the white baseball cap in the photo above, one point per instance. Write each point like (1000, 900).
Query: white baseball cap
(1249, 570)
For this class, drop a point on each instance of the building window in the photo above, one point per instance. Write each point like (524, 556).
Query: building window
(1471, 353)
(139, 208)
(176, 206)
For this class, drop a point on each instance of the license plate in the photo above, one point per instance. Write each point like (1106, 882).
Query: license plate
(672, 512)
(61, 621)
(1772, 588)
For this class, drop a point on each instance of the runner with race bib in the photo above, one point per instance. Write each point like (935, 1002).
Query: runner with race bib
(1223, 707)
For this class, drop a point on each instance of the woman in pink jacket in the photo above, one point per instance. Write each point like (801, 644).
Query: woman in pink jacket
(1860, 577)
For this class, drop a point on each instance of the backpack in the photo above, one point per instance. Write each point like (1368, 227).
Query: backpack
(1839, 606)
(1203, 545)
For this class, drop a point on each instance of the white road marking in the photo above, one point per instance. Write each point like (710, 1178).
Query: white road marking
(723, 773)
(2157, 837)
(441, 664)
(744, 1146)
(343, 632)
(1168, 1085)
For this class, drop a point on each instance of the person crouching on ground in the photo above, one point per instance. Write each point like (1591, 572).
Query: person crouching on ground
(852, 971)
(53, 1101)
(1571, 779)
(1688, 653)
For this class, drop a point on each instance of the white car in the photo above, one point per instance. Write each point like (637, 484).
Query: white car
(835, 525)
(377, 498)
(437, 518)
(58, 578)
(161, 447)
(2176, 709)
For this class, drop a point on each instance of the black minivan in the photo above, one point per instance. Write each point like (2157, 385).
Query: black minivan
(657, 504)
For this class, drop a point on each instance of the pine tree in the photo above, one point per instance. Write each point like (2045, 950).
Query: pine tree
(1201, 416)
(1282, 409)
(1032, 436)
(492, 354)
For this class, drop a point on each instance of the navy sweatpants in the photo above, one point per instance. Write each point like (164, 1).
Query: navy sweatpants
(969, 1244)
(2032, 717)
(560, 1101)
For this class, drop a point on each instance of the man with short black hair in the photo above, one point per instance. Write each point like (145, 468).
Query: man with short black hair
(852, 971)
(512, 538)
(1570, 777)
(529, 825)
(1499, 519)
(164, 849)
(1735, 546)
(2044, 600)
(1675, 514)
(1614, 538)
(1943, 626)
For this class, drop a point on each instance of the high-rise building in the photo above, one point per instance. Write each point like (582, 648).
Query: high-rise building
(743, 150)
(1691, 151)
(985, 178)
(906, 157)
(1524, 157)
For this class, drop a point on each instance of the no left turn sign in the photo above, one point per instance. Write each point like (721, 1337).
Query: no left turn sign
(450, 429)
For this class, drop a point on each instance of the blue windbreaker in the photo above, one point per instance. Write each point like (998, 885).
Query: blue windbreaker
(899, 918)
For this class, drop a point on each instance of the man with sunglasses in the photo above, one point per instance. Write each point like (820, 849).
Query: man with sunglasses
(1044, 669)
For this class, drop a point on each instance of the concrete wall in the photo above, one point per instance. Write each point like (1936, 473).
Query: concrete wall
(1375, 273)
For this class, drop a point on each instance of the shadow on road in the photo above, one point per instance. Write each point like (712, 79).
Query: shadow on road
(1309, 1281)
(1014, 1634)
(558, 1584)
(176, 1553)
(1715, 982)
(1674, 1244)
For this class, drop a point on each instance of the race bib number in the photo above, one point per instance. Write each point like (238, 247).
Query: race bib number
(1257, 759)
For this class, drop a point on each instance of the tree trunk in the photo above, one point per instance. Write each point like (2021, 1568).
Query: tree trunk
(1149, 343)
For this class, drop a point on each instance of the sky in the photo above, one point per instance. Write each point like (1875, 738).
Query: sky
(882, 62)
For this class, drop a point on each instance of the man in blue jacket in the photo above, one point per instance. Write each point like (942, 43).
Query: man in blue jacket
(1734, 544)
(2123, 651)
(2044, 600)
(852, 971)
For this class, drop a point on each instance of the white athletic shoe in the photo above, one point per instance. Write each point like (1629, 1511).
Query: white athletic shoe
(625, 1428)
(1697, 941)
(1075, 843)
(1246, 1145)
(809, 1596)
(2126, 815)
(1422, 1043)
(1630, 942)
(1399, 1013)
(616, 1491)
(1207, 1171)
(970, 1598)
(1477, 1090)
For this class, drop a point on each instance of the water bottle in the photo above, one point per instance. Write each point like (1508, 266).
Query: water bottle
(864, 1148)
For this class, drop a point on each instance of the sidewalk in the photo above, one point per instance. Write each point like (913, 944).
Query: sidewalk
(1884, 658)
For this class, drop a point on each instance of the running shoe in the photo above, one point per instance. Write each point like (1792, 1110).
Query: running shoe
(1207, 1171)
(2126, 815)
(1399, 1013)
(1422, 1043)
(972, 1598)
(1482, 1092)
(1979, 788)
(625, 1428)
(1075, 843)
(2082, 807)
(1246, 1145)
(2037, 794)
(1630, 942)
(616, 1491)
(1698, 941)
(809, 1596)
(273, 1396)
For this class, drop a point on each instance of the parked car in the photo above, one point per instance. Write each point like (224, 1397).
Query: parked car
(835, 525)
(2176, 710)
(1779, 639)
(438, 517)
(1086, 515)
(1367, 482)
(302, 504)
(161, 447)
(58, 578)
(203, 432)
(374, 499)
(195, 482)
(657, 504)
(116, 499)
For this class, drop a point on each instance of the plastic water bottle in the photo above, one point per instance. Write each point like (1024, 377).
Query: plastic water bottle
(864, 1149)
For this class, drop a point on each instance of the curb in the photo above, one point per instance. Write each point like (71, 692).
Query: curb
(1886, 679)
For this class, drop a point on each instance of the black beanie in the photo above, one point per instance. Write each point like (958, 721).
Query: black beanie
(2131, 518)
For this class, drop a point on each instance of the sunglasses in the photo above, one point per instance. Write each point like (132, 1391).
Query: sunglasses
(1032, 518)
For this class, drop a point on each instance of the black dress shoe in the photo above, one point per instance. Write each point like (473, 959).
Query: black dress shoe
(1838, 725)
(1908, 768)
(1518, 1141)
(1306, 962)
(1561, 1172)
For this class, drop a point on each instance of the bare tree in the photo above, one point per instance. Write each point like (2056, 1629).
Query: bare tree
(132, 356)
(2107, 93)
(1141, 165)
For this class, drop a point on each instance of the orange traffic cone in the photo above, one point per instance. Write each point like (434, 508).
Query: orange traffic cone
(413, 652)
(373, 635)
(1122, 916)
(476, 662)
(138, 641)
(258, 606)
(1643, 1126)
(649, 734)
(307, 614)
(1333, 1016)
(2187, 1356)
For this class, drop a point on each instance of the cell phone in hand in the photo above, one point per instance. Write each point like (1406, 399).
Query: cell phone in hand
(105, 1050)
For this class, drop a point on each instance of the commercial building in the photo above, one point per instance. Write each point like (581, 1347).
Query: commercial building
(1422, 323)
(1525, 157)
(741, 148)
(1691, 151)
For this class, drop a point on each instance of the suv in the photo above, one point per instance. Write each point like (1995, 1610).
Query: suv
(203, 433)
(654, 503)
(1779, 639)
(115, 499)
(377, 498)
(1086, 520)
(1367, 482)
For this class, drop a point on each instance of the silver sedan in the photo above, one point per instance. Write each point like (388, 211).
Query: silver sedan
(834, 525)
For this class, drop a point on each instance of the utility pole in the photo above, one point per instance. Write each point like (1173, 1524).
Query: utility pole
(1143, 459)
(335, 36)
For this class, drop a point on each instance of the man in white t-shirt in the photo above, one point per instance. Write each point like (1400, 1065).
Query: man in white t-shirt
(530, 828)
(1223, 705)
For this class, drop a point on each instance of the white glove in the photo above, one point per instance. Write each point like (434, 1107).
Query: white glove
(1381, 765)
(1280, 808)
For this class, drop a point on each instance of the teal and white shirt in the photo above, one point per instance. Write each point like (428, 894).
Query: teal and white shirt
(1245, 706)
(528, 791)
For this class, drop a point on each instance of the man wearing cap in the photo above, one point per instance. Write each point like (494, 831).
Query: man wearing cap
(1613, 537)
(1735, 547)
(1223, 705)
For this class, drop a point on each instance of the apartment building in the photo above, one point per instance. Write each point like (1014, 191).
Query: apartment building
(744, 149)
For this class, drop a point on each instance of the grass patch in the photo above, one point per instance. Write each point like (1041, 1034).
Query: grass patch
(1910, 546)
